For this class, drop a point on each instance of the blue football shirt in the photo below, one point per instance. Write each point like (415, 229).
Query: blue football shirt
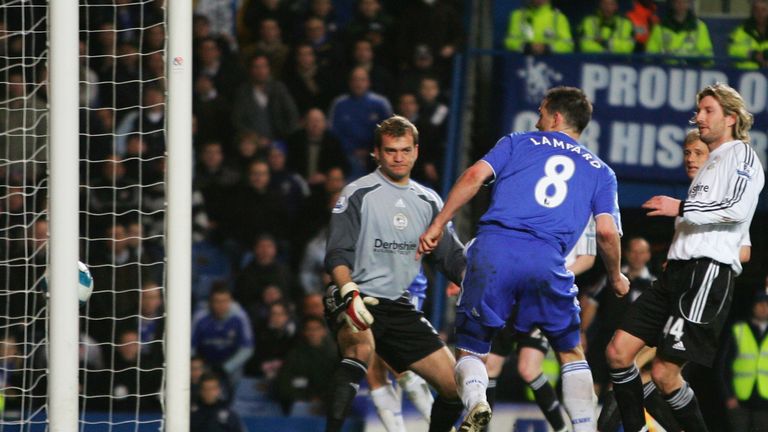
(546, 185)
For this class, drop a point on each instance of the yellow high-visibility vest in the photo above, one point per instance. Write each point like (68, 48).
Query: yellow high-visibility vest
(750, 366)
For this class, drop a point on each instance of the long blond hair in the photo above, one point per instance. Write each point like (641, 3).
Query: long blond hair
(732, 103)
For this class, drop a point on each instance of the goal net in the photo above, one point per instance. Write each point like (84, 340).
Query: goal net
(122, 213)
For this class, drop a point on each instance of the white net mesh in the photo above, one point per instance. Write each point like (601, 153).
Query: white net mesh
(122, 211)
(23, 231)
(122, 198)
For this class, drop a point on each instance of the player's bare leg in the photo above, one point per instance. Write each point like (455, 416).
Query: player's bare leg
(529, 367)
(437, 369)
(678, 394)
(494, 363)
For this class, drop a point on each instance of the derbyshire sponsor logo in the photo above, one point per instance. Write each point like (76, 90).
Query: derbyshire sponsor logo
(380, 245)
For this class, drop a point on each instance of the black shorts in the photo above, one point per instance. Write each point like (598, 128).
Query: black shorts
(684, 313)
(508, 339)
(403, 335)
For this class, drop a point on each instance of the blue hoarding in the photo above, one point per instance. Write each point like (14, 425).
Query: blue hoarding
(641, 110)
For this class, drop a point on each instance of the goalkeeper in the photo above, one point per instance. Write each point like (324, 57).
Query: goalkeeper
(371, 256)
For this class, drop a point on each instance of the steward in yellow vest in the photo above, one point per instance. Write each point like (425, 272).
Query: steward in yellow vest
(680, 34)
(539, 29)
(606, 31)
(749, 42)
(744, 370)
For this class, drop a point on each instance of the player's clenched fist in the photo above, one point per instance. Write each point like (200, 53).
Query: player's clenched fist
(428, 241)
(620, 285)
(357, 315)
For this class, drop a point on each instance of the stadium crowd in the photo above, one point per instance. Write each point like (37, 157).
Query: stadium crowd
(286, 97)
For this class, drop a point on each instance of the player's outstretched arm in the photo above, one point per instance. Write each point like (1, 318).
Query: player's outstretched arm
(662, 205)
(609, 245)
(463, 191)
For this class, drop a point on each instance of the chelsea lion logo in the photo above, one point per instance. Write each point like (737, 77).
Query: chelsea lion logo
(400, 221)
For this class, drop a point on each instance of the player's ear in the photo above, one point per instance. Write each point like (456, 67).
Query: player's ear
(559, 121)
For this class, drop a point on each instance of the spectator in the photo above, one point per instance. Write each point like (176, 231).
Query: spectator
(21, 110)
(212, 110)
(201, 29)
(680, 34)
(264, 270)
(312, 273)
(324, 10)
(382, 81)
(322, 201)
(197, 368)
(151, 320)
(211, 62)
(749, 41)
(255, 208)
(222, 334)
(435, 24)
(259, 311)
(313, 150)
(327, 50)
(118, 273)
(214, 179)
(354, 116)
(374, 25)
(644, 19)
(312, 86)
(210, 413)
(153, 39)
(433, 127)
(135, 379)
(539, 29)
(128, 19)
(139, 166)
(148, 119)
(103, 52)
(257, 10)
(271, 44)
(221, 17)
(263, 105)
(743, 369)
(289, 186)
(608, 310)
(250, 147)
(303, 384)
(312, 306)
(111, 191)
(274, 340)
(422, 66)
(89, 81)
(154, 68)
(606, 31)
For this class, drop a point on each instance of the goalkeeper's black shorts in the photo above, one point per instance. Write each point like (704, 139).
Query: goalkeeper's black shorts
(403, 335)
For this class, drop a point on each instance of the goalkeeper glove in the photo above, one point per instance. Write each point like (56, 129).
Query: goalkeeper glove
(357, 315)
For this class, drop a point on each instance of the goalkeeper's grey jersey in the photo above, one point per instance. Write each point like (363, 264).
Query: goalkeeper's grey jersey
(375, 229)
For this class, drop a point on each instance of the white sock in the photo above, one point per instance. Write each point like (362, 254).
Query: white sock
(579, 396)
(388, 406)
(418, 392)
(472, 380)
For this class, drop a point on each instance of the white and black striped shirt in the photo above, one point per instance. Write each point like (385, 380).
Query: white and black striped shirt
(719, 207)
